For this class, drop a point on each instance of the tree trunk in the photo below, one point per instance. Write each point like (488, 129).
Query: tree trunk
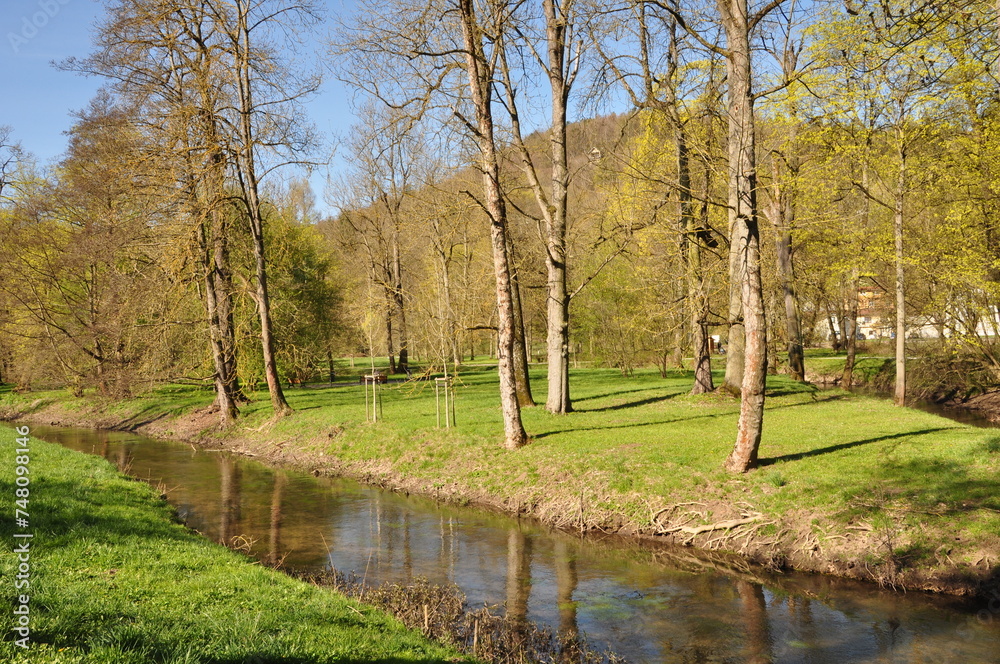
(735, 347)
(556, 31)
(743, 192)
(847, 378)
(224, 398)
(480, 81)
(223, 282)
(400, 305)
(793, 324)
(899, 396)
(696, 297)
(834, 335)
(248, 179)
(522, 379)
(390, 305)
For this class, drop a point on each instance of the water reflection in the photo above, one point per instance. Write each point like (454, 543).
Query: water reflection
(662, 605)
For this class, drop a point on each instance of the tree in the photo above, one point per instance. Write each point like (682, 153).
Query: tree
(426, 59)
(656, 72)
(212, 91)
(162, 58)
(560, 65)
(84, 281)
(479, 70)
(897, 117)
(254, 62)
(387, 152)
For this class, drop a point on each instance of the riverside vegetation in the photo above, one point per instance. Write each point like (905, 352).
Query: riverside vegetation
(849, 485)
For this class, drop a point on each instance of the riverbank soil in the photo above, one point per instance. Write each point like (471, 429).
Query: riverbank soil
(848, 485)
(110, 577)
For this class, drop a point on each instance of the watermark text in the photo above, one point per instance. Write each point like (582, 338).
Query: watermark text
(22, 536)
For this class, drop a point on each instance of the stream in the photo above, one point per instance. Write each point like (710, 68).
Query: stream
(648, 604)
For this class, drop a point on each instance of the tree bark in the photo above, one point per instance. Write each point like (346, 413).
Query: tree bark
(847, 377)
(390, 305)
(696, 296)
(248, 179)
(736, 344)
(556, 32)
(400, 305)
(899, 396)
(743, 192)
(480, 78)
(783, 216)
(522, 379)
(213, 259)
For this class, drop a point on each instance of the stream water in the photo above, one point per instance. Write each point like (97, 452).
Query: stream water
(649, 605)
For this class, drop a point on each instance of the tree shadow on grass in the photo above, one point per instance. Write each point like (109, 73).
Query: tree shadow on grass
(630, 404)
(618, 393)
(798, 456)
(941, 486)
(796, 388)
(728, 413)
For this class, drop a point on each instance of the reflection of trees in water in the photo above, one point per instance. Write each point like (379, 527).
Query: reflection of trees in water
(802, 629)
(407, 552)
(229, 491)
(274, 553)
(123, 458)
(759, 647)
(566, 580)
(446, 552)
(518, 573)
(886, 637)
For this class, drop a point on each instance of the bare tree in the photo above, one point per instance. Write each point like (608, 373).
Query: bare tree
(265, 90)
(560, 62)
(436, 60)
(650, 73)
(479, 69)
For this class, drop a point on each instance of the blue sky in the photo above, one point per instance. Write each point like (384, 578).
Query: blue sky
(37, 99)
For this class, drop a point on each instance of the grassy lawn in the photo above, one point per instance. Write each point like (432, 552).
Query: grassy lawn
(115, 580)
(854, 476)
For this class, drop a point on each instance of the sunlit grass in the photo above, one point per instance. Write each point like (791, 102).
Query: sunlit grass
(114, 580)
(635, 444)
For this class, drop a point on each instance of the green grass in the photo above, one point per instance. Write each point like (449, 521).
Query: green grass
(115, 580)
(634, 445)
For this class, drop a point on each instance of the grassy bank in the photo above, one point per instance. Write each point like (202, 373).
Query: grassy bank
(114, 579)
(849, 485)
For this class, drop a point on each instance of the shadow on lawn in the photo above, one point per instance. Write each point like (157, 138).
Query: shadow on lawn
(618, 393)
(630, 404)
(798, 456)
(733, 412)
(940, 486)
